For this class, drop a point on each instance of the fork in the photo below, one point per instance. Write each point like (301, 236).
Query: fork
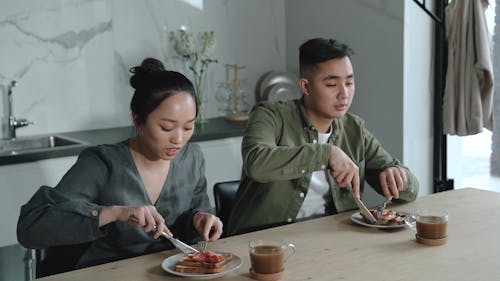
(381, 208)
(202, 246)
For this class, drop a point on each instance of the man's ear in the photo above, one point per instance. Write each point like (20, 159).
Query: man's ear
(304, 85)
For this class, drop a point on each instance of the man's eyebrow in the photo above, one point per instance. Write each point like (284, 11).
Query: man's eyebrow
(334, 77)
(168, 120)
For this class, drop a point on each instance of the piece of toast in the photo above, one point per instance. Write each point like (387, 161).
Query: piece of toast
(208, 262)
(389, 217)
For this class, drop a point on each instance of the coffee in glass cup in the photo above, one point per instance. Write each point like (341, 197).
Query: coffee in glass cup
(268, 259)
(431, 226)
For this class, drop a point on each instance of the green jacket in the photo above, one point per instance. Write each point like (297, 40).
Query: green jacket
(280, 152)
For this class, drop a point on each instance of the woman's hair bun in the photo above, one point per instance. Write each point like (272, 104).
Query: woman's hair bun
(148, 67)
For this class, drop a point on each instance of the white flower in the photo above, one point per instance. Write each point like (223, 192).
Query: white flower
(183, 44)
(207, 44)
(197, 54)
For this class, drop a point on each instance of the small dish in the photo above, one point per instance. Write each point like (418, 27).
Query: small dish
(431, 242)
(266, 277)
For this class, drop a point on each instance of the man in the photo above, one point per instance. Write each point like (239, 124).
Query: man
(299, 155)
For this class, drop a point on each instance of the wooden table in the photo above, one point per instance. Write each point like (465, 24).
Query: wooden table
(334, 248)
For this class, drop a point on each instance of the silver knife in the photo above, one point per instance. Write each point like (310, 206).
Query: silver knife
(185, 248)
(362, 207)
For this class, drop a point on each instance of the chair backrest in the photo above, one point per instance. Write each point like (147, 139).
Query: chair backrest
(58, 259)
(224, 195)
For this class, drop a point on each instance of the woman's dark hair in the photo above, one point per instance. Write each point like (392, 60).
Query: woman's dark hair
(318, 50)
(153, 84)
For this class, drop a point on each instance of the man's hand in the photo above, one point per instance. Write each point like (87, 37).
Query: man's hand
(208, 226)
(392, 181)
(344, 171)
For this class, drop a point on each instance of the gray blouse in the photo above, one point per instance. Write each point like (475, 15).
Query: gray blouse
(106, 175)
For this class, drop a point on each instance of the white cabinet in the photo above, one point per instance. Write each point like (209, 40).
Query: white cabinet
(222, 161)
(19, 182)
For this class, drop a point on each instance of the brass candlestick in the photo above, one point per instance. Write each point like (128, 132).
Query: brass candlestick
(237, 115)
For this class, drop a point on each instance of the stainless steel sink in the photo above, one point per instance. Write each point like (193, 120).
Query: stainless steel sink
(24, 145)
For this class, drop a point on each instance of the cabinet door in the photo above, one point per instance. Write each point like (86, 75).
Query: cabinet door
(222, 160)
(19, 182)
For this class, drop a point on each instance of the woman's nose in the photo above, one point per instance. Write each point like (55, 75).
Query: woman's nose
(176, 137)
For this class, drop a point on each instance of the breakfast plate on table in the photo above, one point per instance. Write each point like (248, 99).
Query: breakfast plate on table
(358, 218)
(169, 263)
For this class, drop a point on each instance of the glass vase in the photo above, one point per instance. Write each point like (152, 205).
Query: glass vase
(201, 99)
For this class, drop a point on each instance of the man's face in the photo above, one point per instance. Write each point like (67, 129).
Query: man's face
(328, 89)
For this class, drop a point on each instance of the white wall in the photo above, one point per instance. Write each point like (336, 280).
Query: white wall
(71, 58)
(391, 65)
(418, 98)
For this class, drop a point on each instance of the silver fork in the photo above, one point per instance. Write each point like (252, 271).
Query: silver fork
(202, 246)
(381, 208)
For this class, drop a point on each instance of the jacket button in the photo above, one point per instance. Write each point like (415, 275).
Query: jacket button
(303, 171)
(94, 213)
(323, 167)
(301, 194)
(289, 220)
(315, 141)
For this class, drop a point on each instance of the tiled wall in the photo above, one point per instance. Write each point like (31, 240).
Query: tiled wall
(71, 57)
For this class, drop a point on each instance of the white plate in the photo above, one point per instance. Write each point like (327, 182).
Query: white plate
(275, 77)
(281, 92)
(357, 218)
(169, 263)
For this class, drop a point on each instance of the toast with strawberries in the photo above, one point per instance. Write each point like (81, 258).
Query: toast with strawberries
(388, 217)
(203, 262)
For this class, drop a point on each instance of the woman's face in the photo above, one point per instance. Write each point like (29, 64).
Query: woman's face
(169, 126)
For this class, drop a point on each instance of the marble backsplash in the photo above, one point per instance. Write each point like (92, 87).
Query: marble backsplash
(71, 57)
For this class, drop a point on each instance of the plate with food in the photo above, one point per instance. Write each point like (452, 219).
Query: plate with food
(389, 219)
(202, 265)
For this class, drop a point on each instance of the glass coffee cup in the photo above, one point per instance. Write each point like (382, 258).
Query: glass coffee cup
(268, 258)
(431, 226)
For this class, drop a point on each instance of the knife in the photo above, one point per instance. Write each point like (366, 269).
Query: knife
(362, 206)
(185, 248)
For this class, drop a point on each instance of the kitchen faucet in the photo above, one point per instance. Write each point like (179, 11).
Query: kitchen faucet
(12, 122)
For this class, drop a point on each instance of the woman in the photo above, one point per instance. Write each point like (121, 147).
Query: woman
(120, 197)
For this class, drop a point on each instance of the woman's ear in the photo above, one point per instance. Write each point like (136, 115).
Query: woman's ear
(304, 86)
(137, 122)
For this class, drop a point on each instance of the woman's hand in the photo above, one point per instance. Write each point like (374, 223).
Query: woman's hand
(208, 226)
(392, 181)
(145, 217)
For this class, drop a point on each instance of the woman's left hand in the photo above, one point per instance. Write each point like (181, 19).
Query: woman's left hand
(208, 225)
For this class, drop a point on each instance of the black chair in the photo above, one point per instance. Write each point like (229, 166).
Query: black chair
(58, 259)
(224, 195)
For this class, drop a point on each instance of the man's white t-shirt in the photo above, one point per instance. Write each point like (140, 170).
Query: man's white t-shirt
(315, 202)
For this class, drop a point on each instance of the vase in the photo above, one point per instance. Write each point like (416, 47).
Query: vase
(201, 98)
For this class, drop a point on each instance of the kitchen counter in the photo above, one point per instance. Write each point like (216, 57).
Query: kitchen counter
(213, 129)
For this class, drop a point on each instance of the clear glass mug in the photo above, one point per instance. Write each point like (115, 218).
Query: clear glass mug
(431, 224)
(269, 257)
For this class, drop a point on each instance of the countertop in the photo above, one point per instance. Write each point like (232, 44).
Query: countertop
(213, 129)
